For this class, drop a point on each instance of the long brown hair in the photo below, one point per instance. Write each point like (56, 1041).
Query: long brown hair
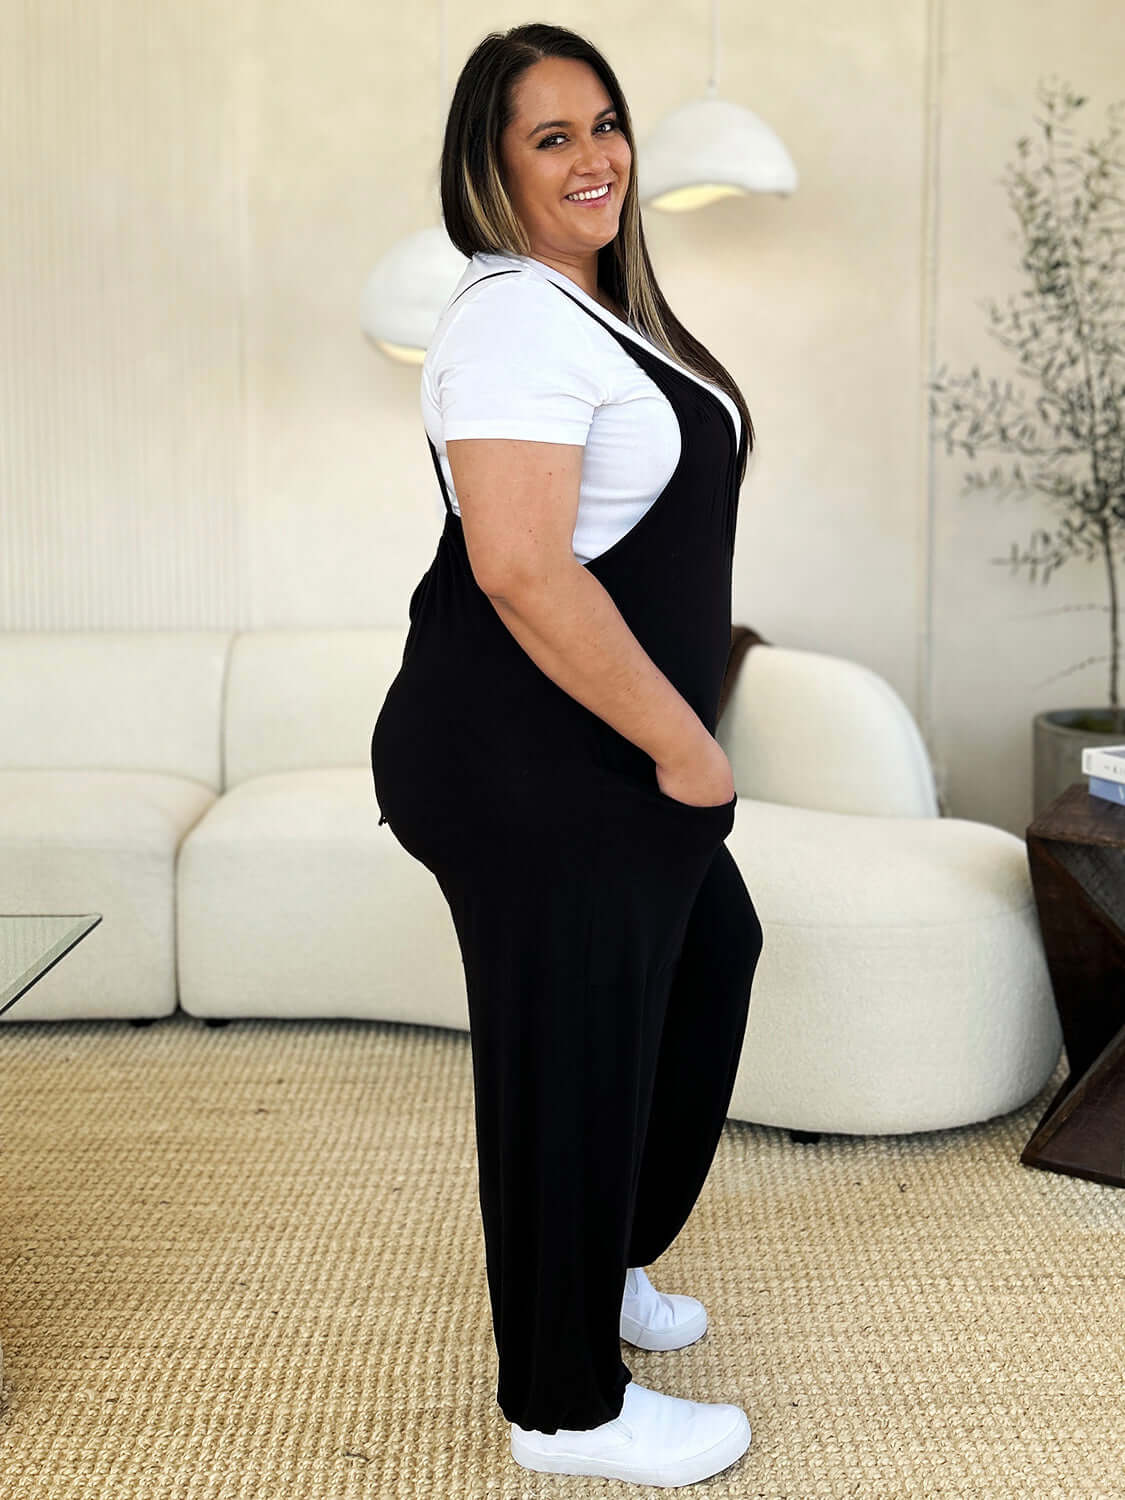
(478, 212)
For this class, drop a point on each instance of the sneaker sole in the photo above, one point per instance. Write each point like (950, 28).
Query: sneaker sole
(679, 1337)
(687, 1470)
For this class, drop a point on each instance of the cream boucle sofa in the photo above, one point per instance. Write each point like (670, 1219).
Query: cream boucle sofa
(210, 794)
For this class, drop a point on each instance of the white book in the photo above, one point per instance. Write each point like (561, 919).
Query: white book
(1106, 761)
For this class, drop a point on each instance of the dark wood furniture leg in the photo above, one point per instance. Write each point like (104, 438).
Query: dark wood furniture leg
(1076, 853)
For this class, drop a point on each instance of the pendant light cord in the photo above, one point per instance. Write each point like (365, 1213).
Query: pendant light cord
(713, 81)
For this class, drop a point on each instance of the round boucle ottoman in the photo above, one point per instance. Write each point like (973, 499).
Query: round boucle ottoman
(902, 984)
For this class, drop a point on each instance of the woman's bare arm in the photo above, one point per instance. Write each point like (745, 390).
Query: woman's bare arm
(519, 503)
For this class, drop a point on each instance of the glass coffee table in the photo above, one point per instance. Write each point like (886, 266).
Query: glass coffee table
(33, 942)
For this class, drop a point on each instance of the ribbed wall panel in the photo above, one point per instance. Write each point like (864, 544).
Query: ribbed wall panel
(193, 431)
(122, 494)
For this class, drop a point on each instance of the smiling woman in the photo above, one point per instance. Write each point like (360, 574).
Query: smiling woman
(547, 749)
(564, 139)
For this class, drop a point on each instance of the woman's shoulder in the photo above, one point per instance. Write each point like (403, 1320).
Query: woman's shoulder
(496, 281)
(500, 303)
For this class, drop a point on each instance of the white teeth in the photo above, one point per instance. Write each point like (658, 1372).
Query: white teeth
(593, 193)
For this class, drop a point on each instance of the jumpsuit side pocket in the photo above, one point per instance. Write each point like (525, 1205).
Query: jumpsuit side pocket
(693, 807)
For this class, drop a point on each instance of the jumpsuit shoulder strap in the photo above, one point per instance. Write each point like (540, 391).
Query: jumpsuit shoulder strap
(433, 450)
(633, 349)
(479, 279)
(583, 306)
(440, 475)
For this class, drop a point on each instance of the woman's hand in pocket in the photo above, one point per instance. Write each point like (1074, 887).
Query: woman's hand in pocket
(706, 781)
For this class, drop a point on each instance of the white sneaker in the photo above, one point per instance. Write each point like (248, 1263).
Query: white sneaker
(659, 1320)
(656, 1439)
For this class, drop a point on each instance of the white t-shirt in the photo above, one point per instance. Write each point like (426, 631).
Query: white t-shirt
(513, 358)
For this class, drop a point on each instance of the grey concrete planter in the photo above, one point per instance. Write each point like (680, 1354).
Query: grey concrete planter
(1058, 738)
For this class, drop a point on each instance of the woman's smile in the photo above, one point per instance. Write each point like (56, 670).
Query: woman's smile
(591, 195)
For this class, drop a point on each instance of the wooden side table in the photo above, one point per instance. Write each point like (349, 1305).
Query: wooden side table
(1076, 854)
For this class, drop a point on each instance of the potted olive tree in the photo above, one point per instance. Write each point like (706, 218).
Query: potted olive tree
(1067, 432)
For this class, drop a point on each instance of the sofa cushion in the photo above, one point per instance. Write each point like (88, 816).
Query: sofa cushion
(74, 842)
(302, 699)
(114, 700)
(810, 730)
(293, 901)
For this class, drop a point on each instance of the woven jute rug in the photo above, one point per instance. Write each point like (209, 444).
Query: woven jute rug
(247, 1261)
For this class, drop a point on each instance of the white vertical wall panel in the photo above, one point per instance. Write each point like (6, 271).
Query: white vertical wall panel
(1005, 648)
(193, 431)
(121, 410)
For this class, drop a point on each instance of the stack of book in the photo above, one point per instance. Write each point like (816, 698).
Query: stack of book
(1105, 766)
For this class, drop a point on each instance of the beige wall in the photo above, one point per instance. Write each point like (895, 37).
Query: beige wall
(193, 431)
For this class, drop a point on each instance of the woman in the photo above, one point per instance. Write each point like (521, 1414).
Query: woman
(547, 750)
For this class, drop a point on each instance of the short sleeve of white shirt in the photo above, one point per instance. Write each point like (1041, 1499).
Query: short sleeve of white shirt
(514, 362)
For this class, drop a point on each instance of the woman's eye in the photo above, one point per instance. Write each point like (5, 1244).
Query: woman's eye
(547, 139)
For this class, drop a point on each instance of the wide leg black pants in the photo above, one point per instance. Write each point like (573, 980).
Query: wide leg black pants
(608, 988)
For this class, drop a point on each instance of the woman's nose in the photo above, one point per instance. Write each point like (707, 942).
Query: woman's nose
(595, 161)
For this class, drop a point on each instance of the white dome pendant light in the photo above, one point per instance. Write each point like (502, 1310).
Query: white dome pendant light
(709, 149)
(404, 295)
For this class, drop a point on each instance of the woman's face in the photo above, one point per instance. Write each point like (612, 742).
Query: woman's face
(544, 160)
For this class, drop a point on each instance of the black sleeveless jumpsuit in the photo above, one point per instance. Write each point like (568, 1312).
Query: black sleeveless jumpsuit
(608, 939)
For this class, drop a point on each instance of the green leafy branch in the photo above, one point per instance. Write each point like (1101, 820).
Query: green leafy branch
(1066, 333)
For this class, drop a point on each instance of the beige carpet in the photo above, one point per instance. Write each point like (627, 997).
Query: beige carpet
(247, 1261)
